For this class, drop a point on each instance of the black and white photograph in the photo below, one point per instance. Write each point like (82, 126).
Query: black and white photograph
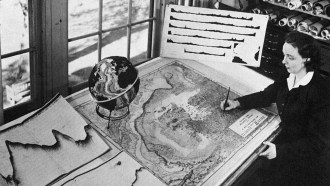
(164, 92)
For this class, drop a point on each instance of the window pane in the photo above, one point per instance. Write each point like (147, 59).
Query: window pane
(139, 43)
(115, 13)
(82, 58)
(16, 80)
(140, 10)
(115, 43)
(14, 25)
(83, 17)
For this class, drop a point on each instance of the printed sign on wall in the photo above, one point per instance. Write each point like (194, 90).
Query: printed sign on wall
(212, 35)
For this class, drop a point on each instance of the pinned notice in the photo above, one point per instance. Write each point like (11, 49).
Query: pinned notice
(248, 122)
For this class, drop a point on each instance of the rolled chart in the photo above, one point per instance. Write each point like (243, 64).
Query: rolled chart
(285, 19)
(293, 22)
(319, 6)
(316, 28)
(294, 4)
(307, 5)
(303, 26)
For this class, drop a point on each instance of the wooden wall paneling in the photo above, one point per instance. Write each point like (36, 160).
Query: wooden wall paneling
(35, 64)
(129, 29)
(46, 48)
(159, 11)
(55, 47)
(36, 71)
(150, 27)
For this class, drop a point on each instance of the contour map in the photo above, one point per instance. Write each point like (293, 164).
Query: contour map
(176, 128)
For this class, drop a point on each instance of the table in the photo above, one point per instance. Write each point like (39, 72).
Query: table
(241, 79)
(129, 158)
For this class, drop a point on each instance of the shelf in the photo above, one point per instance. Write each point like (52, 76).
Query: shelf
(299, 10)
(305, 12)
(273, 70)
(316, 37)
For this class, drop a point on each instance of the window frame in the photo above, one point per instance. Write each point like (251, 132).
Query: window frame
(151, 20)
(34, 51)
(48, 37)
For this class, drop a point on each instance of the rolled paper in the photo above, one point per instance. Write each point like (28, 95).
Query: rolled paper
(318, 7)
(260, 9)
(294, 4)
(307, 5)
(256, 10)
(293, 22)
(303, 26)
(326, 10)
(325, 33)
(273, 17)
(267, 11)
(276, 15)
(316, 28)
(328, 37)
(285, 19)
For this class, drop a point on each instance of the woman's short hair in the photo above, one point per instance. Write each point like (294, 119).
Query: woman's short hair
(307, 47)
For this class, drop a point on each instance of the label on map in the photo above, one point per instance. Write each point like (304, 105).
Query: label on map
(248, 122)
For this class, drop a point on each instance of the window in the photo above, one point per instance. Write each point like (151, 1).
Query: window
(103, 28)
(19, 53)
(50, 47)
(15, 47)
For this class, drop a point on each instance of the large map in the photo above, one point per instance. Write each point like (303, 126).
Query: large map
(176, 128)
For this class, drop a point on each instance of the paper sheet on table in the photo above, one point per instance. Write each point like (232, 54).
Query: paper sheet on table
(213, 36)
(248, 122)
(45, 146)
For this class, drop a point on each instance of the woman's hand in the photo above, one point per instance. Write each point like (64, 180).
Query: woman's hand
(232, 104)
(270, 152)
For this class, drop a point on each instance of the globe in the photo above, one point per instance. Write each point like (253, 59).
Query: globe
(113, 83)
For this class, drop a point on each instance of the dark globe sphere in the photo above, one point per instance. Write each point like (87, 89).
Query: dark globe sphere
(113, 82)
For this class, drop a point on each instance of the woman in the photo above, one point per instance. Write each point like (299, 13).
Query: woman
(300, 154)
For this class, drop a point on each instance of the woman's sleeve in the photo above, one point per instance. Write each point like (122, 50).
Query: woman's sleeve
(317, 138)
(259, 99)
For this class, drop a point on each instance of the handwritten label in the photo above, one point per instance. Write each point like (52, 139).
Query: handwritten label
(248, 122)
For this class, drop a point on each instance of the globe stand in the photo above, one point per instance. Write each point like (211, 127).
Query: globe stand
(121, 113)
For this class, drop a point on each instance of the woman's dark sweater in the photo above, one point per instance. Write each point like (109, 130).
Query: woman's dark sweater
(304, 143)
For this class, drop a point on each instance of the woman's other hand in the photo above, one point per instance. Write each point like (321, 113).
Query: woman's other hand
(231, 104)
(270, 152)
